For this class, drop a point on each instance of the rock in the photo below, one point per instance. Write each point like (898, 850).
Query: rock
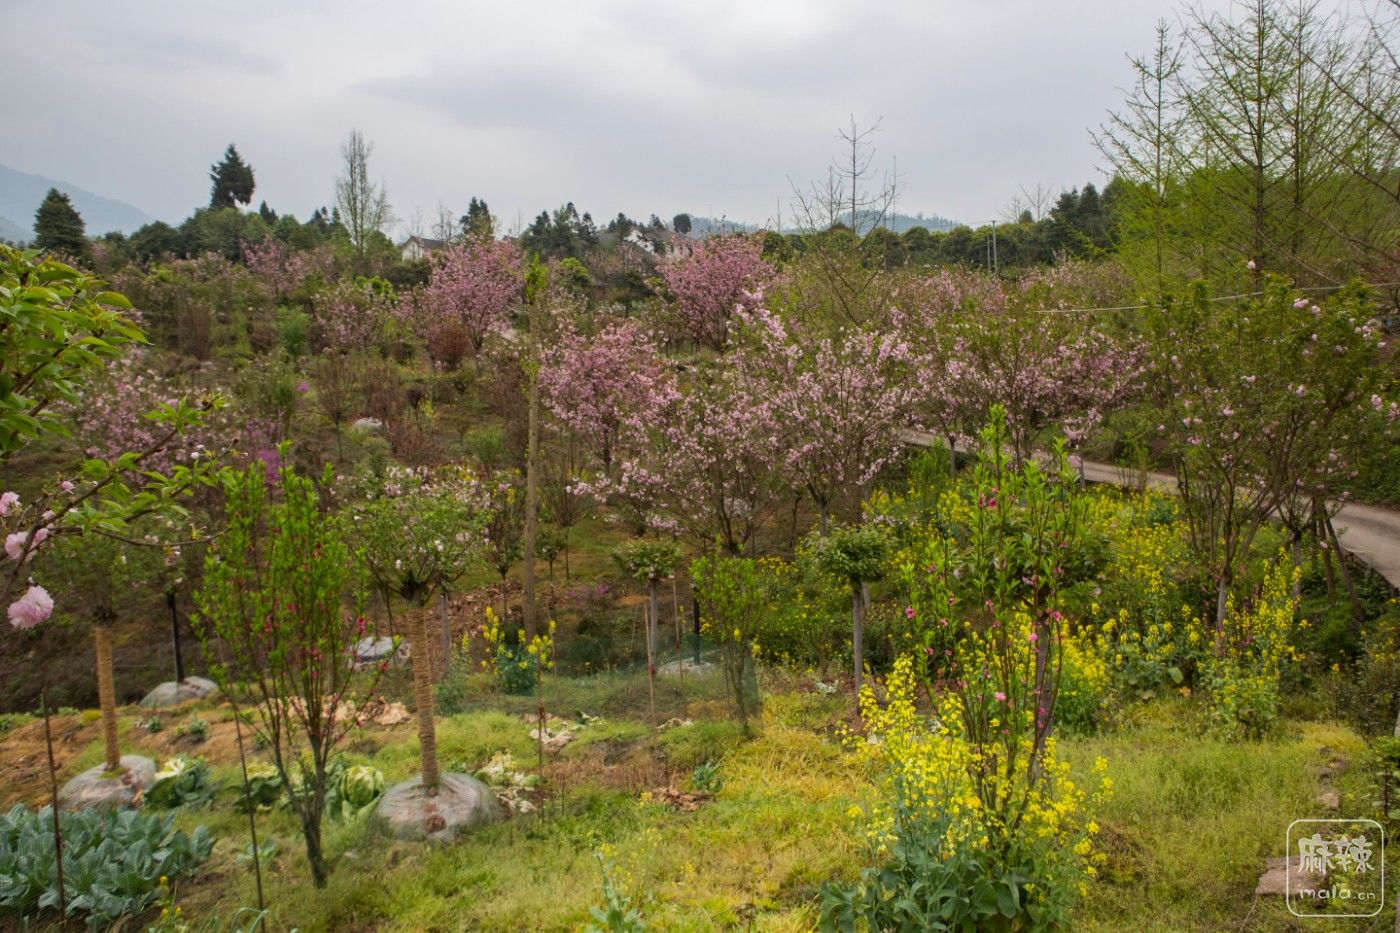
(685, 665)
(171, 693)
(367, 425)
(1282, 874)
(1329, 799)
(96, 788)
(371, 651)
(461, 803)
(388, 714)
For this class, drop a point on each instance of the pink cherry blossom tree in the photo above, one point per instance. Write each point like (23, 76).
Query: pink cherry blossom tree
(702, 460)
(840, 403)
(594, 382)
(284, 270)
(474, 287)
(711, 280)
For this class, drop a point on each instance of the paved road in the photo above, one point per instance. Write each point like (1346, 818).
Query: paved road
(1371, 534)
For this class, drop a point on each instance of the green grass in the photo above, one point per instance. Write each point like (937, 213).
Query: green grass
(1185, 833)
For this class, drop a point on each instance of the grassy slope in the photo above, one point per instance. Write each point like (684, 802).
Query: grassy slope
(1186, 833)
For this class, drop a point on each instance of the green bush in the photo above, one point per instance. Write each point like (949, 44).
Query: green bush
(293, 331)
(113, 861)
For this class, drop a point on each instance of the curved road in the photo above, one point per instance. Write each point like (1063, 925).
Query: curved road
(1371, 534)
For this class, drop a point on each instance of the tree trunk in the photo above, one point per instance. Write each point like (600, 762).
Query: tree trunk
(532, 500)
(446, 635)
(858, 633)
(423, 701)
(1222, 593)
(652, 587)
(175, 635)
(53, 806)
(1358, 612)
(311, 829)
(107, 697)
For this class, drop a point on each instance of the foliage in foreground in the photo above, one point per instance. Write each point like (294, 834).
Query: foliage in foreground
(113, 861)
(962, 839)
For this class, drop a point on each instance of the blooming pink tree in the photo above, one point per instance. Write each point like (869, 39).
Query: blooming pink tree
(112, 415)
(841, 404)
(474, 287)
(985, 347)
(350, 316)
(593, 383)
(703, 460)
(711, 280)
(284, 270)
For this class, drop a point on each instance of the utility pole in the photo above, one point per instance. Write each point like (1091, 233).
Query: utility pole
(996, 266)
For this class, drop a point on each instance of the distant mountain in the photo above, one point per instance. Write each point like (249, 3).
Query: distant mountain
(933, 222)
(704, 226)
(21, 194)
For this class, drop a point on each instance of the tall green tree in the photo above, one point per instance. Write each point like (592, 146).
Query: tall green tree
(58, 227)
(231, 179)
(362, 204)
(477, 222)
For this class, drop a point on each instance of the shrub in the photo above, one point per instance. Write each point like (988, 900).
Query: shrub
(293, 331)
(1242, 680)
(1081, 703)
(1367, 698)
(949, 858)
(113, 861)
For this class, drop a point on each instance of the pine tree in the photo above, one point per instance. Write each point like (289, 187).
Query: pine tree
(58, 227)
(477, 222)
(232, 180)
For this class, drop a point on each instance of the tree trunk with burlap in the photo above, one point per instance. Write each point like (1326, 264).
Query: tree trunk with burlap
(107, 697)
(423, 701)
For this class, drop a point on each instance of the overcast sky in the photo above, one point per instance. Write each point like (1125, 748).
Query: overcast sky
(706, 106)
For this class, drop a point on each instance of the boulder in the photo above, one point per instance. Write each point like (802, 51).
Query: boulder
(367, 426)
(172, 693)
(462, 802)
(1282, 875)
(684, 666)
(370, 651)
(96, 787)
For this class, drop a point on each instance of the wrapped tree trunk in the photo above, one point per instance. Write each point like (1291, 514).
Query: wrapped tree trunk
(423, 701)
(107, 697)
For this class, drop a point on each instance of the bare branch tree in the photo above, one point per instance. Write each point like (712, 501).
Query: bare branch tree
(364, 205)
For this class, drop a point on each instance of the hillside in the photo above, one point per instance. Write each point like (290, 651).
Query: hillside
(21, 192)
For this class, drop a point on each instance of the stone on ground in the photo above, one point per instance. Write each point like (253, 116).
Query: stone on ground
(371, 651)
(685, 665)
(1330, 800)
(96, 788)
(172, 693)
(1283, 874)
(461, 803)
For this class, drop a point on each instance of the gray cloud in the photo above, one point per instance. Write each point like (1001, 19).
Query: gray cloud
(627, 105)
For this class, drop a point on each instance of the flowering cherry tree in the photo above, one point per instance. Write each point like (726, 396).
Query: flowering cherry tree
(702, 460)
(61, 329)
(1048, 370)
(1268, 407)
(840, 404)
(711, 280)
(474, 287)
(284, 270)
(594, 383)
(351, 316)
